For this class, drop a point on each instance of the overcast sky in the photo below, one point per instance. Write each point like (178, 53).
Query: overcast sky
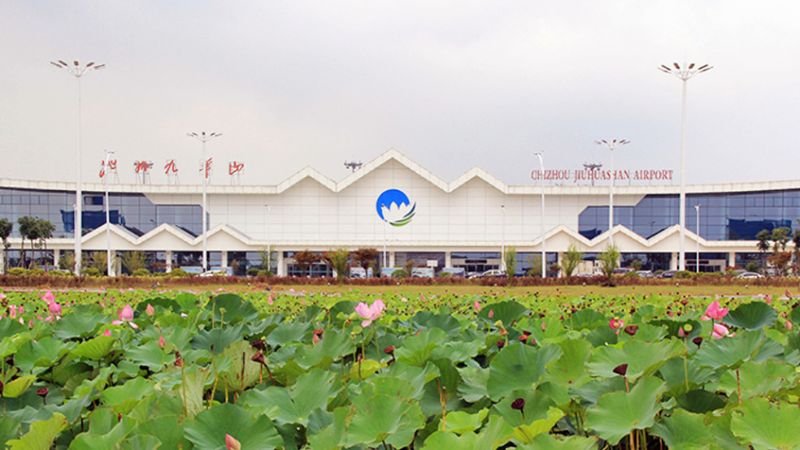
(451, 84)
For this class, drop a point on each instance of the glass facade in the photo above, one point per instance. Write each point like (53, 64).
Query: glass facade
(728, 216)
(134, 211)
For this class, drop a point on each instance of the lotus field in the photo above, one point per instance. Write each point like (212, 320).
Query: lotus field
(150, 370)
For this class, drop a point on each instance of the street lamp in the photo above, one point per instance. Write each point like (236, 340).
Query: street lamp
(109, 270)
(503, 237)
(77, 70)
(268, 262)
(540, 157)
(697, 249)
(683, 73)
(204, 137)
(611, 145)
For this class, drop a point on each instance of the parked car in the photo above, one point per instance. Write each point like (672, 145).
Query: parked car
(422, 272)
(454, 271)
(218, 272)
(749, 275)
(491, 273)
(668, 274)
(645, 273)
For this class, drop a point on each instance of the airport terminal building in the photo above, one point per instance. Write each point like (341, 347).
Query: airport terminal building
(394, 205)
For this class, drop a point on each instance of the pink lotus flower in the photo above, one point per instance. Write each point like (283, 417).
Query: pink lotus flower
(54, 308)
(162, 342)
(616, 324)
(720, 331)
(476, 306)
(491, 314)
(107, 332)
(49, 297)
(788, 325)
(714, 312)
(231, 443)
(270, 299)
(150, 311)
(13, 311)
(370, 313)
(126, 316)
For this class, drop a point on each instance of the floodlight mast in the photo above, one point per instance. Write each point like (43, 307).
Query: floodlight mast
(684, 73)
(540, 157)
(204, 137)
(611, 145)
(78, 70)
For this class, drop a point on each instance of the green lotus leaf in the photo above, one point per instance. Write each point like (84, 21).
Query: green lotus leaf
(41, 435)
(42, 353)
(94, 349)
(732, 351)
(758, 379)
(461, 422)
(525, 433)
(334, 345)
(556, 442)
(700, 401)
(109, 435)
(17, 387)
(518, 367)
(642, 358)
(618, 413)
(507, 312)
(384, 414)
(443, 321)
(766, 426)
(686, 430)
(417, 349)
(82, 321)
(230, 308)
(676, 370)
(242, 372)
(570, 368)
(9, 427)
(217, 340)
(295, 404)
(150, 355)
(254, 432)
(794, 316)
(752, 316)
(10, 327)
(449, 440)
(364, 369)
(124, 397)
(332, 436)
(474, 380)
(288, 333)
(587, 319)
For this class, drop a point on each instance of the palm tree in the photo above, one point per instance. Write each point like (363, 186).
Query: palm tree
(44, 231)
(572, 258)
(5, 231)
(338, 259)
(27, 230)
(763, 246)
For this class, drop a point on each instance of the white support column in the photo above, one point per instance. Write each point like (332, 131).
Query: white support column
(448, 259)
(673, 261)
(731, 259)
(224, 259)
(281, 265)
(560, 260)
(391, 259)
(56, 257)
(168, 257)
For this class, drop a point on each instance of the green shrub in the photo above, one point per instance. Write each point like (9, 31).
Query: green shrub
(684, 274)
(178, 273)
(264, 273)
(17, 271)
(252, 272)
(91, 272)
(400, 273)
(141, 272)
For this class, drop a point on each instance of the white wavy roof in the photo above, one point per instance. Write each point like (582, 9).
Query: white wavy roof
(394, 155)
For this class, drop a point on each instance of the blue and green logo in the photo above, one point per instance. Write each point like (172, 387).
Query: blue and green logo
(395, 208)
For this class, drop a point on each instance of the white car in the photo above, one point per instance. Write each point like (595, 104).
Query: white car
(749, 275)
(490, 273)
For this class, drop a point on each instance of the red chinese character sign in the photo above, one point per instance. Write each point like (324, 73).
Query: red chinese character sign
(110, 170)
(205, 168)
(235, 169)
(142, 170)
(171, 171)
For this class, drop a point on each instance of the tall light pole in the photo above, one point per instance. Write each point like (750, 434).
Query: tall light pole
(268, 262)
(611, 145)
(503, 237)
(683, 73)
(109, 270)
(540, 157)
(204, 137)
(697, 249)
(77, 70)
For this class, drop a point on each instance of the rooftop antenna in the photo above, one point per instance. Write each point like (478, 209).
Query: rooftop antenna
(591, 167)
(353, 165)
